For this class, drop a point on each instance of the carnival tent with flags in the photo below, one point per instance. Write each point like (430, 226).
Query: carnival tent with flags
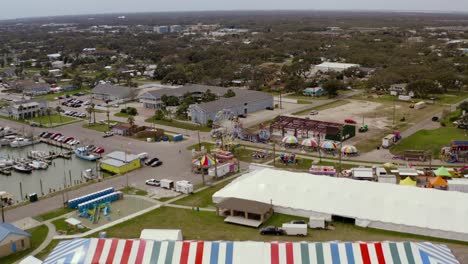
(93, 250)
(205, 161)
(438, 181)
(408, 182)
(290, 140)
(309, 142)
(349, 150)
(442, 171)
(329, 145)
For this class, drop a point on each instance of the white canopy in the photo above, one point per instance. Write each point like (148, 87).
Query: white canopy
(73, 221)
(419, 208)
(161, 234)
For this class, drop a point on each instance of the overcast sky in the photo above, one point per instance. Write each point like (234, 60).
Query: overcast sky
(35, 8)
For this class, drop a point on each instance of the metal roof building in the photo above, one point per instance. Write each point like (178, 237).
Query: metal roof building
(83, 251)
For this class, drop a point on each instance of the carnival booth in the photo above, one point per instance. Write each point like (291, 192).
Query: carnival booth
(329, 146)
(408, 182)
(438, 183)
(203, 163)
(442, 172)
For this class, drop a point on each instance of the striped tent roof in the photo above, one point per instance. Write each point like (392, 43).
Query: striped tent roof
(148, 251)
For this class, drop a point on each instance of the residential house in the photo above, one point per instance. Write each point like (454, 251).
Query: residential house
(58, 64)
(13, 239)
(54, 56)
(399, 89)
(69, 87)
(8, 73)
(122, 129)
(334, 66)
(120, 162)
(109, 92)
(35, 89)
(315, 92)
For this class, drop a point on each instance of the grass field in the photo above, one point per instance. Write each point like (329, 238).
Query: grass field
(202, 198)
(322, 107)
(208, 146)
(175, 123)
(53, 214)
(55, 119)
(122, 115)
(61, 225)
(51, 97)
(432, 140)
(39, 234)
(100, 127)
(134, 191)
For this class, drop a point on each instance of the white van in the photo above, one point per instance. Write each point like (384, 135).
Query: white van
(295, 229)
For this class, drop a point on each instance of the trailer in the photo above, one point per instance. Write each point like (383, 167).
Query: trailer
(184, 187)
(295, 229)
(388, 141)
(420, 105)
(167, 184)
(317, 222)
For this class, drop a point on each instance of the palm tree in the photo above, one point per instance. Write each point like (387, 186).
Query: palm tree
(131, 120)
(48, 112)
(94, 112)
(39, 116)
(108, 118)
(59, 110)
(89, 110)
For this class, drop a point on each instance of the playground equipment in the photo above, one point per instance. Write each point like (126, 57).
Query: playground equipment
(222, 155)
(456, 152)
(288, 159)
(73, 203)
(261, 154)
(111, 197)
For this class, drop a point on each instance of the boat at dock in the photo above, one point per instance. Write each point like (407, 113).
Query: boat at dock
(89, 174)
(22, 142)
(83, 153)
(22, 168)
(38, 165)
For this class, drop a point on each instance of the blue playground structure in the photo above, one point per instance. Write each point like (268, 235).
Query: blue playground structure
(100, 200)
(93, 196)
(93, 208)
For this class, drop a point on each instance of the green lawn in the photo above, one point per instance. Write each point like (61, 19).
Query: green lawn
(202, 198)
(51, 97)
(134, 191)
(100, 127)
(39, 234)
(53, 214)
(175, 123)
(429, 139)
(208, 146)
(246, 155)
(61, 225)
(122, 115)
(208, 226)
(54, 119)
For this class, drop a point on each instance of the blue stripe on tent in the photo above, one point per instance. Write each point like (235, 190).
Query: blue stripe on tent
(437, 251)
(349, 253)
(305, 253)
(68, 249)
(424, 257)
(214, 253)
(169, 252)
(155, 252)
(229, 252)
(335, 253)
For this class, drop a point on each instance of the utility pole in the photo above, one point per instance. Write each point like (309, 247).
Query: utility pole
(341, 154)
(394, 111)
(199, 143)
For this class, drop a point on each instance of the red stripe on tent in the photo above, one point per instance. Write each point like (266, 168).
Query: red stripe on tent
(365, 254)
(185, 253)
(274, 253)
(112, 250)
(380, 254)
(98, 252)
(126, 251)
(141, 252)
(199, 256)
(289, 253)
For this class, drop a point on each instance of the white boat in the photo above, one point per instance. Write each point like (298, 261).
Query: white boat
(83, 153)
(37, 164)
(22, 142)
(22, 168)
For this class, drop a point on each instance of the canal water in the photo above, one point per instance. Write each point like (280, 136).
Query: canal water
(61, 172)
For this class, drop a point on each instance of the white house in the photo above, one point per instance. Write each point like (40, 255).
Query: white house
(334, 66)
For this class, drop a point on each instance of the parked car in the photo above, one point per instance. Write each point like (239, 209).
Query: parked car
(153, 182)
(151, 161)
(115, 105)
(271, 230)
(350, 121)
(435, 119)
(156, 163)
(108, 134)
(314, 112)
(270, 108)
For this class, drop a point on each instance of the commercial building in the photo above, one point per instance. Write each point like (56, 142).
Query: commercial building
(13, 239)
(316, 91)
(93, 250)
(25, 109)
(334, 66)
(109, 92)
(368, 204)
(119, 162)
(244, 101)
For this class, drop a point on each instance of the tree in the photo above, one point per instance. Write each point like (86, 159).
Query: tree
(38, 114)
(332, 87)
(422, 88)
(89, 110)
(131, 120)
(464, 106)
(294, 84)
(208, 96)
(229, 93)
(59, 110)
(77, 81)
(48, 112)
(159, 115)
